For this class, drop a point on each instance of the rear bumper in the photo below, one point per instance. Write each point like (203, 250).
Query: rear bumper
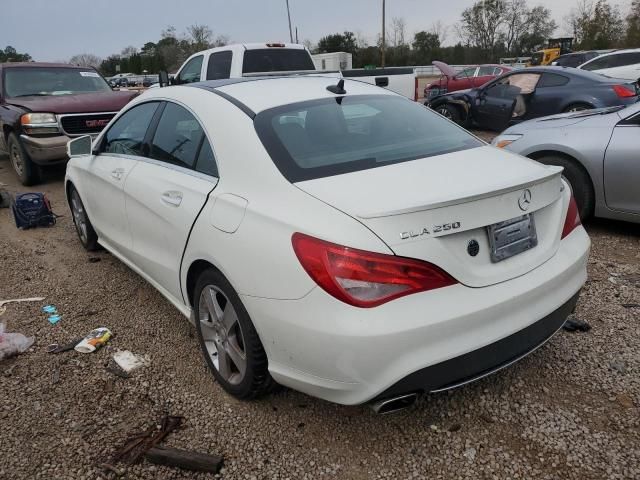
(349, 355)
(46, 150)
(483, 361)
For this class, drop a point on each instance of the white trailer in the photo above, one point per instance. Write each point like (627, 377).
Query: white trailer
(333, 61)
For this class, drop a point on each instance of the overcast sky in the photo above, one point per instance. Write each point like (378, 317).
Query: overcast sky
(57, 29)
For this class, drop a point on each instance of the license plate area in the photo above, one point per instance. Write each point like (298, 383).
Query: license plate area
(512, 237)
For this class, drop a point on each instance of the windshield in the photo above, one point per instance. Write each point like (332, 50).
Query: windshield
(321, 138)
(276, 60)
(28, 81)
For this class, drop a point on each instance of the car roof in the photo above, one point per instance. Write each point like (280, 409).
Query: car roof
(255, 94)
(40, 64)
(618, 52)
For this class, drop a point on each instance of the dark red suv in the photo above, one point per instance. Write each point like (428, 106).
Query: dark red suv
(43, 105)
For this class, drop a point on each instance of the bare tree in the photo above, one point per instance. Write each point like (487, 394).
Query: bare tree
(440, 30)
(516, 23)
(128, 51)
(481, 24)
(398, 31)
(86, 60)
(361, 39)
(200, 36)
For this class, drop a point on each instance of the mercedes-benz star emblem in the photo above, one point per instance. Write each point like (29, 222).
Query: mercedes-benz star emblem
(525, 200)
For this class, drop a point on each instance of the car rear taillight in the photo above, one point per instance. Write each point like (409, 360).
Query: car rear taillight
(365, 279)
(572, 219)
(624, 91)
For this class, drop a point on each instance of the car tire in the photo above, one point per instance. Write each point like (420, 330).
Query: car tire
(27, 171)
(84, 229)
(579, 181)
(450, 112)
(223, 325)
(577, 107)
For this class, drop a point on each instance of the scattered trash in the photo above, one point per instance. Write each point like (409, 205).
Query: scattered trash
(619, 366)
(631, 305)
(434, 428)
(172, 457)
(138, 444)
(49, 309)
(94, 340)
(53, 319)
(470, 453)
(12, 344)
(57, 348)
(129, 361)
(3, 308)
(573, 324)
(455, 427)
(32, 210)
(112, 367)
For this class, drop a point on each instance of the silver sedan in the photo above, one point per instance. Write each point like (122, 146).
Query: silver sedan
(599, 150)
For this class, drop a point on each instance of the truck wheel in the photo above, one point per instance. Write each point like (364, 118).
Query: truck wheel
(229, 341)
(450, 112)
(27, 171)
(579, 181)
(86, 233)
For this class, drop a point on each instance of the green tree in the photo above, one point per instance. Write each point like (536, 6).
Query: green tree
(345, 42)
(425, 45)
(10, 54)
(481, 24)
(597, 25)
(633, 25)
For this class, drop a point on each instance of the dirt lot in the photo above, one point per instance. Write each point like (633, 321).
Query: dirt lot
(569, 411)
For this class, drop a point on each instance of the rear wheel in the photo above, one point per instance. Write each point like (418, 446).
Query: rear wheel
(229, 341)
(578, 179)
(449, 111)
(27, 171)
(578, 107)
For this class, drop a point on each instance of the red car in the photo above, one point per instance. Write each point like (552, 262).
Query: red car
(470, 77)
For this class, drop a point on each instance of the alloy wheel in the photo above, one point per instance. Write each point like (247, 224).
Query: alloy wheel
(445, 113)
(16, 160)
(222, 334)
(79, 216)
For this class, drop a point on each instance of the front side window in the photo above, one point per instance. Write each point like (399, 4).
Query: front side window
(46, 81)
(321, 138)
(177, 137)
(467, 73)
(219, 65)
(126, 135)
(191, 71)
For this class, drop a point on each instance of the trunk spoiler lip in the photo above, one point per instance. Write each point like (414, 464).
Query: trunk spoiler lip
(553, 171)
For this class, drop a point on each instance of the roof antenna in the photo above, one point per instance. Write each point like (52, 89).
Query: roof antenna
(337, 89)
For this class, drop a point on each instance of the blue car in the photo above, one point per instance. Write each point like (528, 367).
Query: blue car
(531, 93)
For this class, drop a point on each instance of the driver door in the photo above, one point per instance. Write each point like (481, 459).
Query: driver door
(107, 172)
(494, 106)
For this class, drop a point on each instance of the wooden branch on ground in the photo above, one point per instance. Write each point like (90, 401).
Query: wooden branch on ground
(199, 462)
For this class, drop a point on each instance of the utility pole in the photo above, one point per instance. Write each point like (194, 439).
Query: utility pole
(383, 35)
(289, 17)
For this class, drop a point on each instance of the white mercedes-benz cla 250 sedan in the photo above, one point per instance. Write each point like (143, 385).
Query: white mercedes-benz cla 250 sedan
(335, 238)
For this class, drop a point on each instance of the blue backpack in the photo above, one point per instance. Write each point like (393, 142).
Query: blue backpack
(32, 210)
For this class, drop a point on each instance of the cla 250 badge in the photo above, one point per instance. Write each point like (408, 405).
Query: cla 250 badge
(445, 227)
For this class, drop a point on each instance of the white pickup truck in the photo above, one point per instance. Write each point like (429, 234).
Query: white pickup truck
(260, 59)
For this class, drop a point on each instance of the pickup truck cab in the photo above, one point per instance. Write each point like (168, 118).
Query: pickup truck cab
(44, 105)
(244, 59)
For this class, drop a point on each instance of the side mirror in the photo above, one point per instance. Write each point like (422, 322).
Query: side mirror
(79, 147)
(163, 78)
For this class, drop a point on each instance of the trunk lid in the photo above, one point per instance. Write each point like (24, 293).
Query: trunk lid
(432, 208)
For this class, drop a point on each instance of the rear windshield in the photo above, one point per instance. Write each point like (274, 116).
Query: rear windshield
(321, 138)
(29, 81)
(276, 60)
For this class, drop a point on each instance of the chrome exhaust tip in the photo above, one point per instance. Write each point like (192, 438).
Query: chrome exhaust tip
(395, 404)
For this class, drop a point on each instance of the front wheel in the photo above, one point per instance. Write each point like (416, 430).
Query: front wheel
(86, 233)
(27, 171)
(450, 112)
(229, 341)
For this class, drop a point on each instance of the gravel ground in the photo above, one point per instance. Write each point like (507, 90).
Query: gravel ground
(568, 411)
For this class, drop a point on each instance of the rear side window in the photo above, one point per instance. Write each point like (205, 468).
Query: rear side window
(206, 161)
(126, 135)
(177, 137)
(552, 80)
(321, 138)
(484, 71)
(600, 63)
(276, 60)
(219, 66)
(624, 59)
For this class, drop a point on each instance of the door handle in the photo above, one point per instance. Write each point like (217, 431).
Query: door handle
(117, 173)
(172, 198)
